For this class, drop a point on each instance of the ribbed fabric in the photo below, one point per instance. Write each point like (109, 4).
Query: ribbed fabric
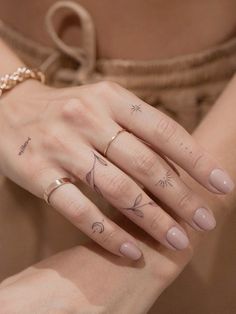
(184, 87)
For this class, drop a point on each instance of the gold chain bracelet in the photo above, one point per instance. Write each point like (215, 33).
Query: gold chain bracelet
(9, 81)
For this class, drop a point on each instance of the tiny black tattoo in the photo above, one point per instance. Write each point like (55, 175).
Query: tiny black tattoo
(136, 206)
(166, 180)
(136, 108)
(186, 148)
(98, 227)
(23, 147)
(90, 179)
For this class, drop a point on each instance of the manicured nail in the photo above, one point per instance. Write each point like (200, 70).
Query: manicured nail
(177, 238)
(204, 219)
(131, 251)
(221, 181)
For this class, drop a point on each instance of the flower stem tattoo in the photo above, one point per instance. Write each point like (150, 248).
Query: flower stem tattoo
(135, 108)
(136, 206)
(90, 179)
(166, 180)
(23, 147)
(98, 227)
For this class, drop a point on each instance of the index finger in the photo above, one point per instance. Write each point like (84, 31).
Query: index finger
(165, 135)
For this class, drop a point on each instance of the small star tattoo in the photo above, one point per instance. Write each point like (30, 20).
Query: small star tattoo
(136, 108)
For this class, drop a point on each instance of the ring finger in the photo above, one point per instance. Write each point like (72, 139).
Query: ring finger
(68, 200)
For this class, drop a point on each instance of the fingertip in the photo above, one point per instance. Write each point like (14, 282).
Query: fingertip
(130, 250)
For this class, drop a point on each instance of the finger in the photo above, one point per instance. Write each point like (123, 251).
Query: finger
(144, 165)
(167, 136)
(77, 208)
(126, 195)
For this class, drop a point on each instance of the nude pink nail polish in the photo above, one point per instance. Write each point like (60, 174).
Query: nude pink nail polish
(177, 238)
(204, 219)
(131, 251)
(221, 181)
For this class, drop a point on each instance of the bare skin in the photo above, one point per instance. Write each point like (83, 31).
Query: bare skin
(158, 269)
(39, 147)
(209, 125)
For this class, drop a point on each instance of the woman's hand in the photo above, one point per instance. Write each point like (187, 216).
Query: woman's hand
(87, 279)
(48, 288)
(51, 133)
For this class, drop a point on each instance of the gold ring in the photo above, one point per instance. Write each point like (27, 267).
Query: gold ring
(54, 186)
(112, 139)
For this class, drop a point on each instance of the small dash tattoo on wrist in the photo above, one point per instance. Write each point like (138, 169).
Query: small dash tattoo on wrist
(23, 147)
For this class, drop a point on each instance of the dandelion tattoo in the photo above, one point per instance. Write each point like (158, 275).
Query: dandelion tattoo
(23, 147)
(136, 206)
(98, 227)
(166, 180)
(90, 179)
(135, 108)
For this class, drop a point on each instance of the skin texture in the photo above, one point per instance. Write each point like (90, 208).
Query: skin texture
(50, 121)
(159, 267)
(228, 160)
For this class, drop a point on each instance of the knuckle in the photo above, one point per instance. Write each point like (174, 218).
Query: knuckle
(185, 199)
(106, 86)
(75, 110)
(40, 170)
(109, 236)
(118, 186)
(78, 212)
(51, 141)
(145, 162)
(199, 161)
(165, 128)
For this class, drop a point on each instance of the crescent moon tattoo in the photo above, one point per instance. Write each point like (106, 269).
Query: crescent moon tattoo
(98, 227)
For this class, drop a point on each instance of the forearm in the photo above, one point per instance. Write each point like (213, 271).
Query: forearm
(217, 133)
(9, 60)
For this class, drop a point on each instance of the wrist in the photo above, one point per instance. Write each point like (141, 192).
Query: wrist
(23, 89)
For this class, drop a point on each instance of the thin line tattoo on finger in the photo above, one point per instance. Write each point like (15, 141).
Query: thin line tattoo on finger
(23, 147)
(166, 180)
(90, 176)
(98, 227)
(135, 208)
(135, 108)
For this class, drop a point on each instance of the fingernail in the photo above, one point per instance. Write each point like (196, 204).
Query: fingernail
(177, 238)
(204, 219)
(221, 181)
(131, 251)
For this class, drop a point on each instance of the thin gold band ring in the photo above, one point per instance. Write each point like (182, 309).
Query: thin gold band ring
(54, 186)
(112, 139)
